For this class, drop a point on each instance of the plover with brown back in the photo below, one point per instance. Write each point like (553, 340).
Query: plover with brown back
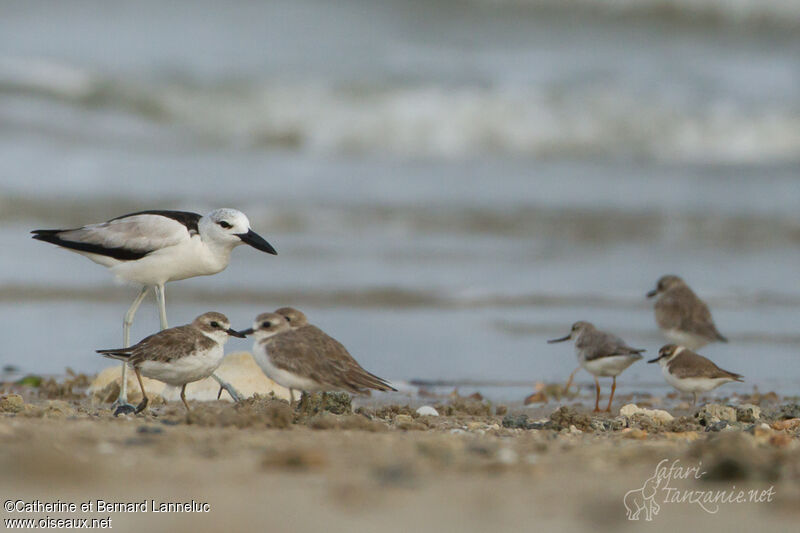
(683, 318)
(178, 356)
(295, 361)
(688, 371)
(601, 354)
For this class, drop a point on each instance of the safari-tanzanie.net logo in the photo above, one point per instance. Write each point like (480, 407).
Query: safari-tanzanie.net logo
(659, 490)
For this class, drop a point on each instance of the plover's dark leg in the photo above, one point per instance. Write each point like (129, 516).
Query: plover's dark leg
(569, 381)
(183, 398)
(694, 399)
(121, 405)
(291, 398)
(597, 397)
(611, 398)
(143, 403)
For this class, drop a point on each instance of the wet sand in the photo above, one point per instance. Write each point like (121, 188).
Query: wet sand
(262, 466)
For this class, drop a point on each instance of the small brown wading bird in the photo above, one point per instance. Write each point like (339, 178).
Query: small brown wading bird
(683, 317)
(307, 359)
(601, 354)
(691, 372)
(179, 355)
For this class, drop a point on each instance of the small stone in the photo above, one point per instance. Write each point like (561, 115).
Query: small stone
(575, 431)
(507, 456)
(718, 426)
(516, 421)
(659, 416)
(403, 419)
(474, 426)
(501, 410)
(427, 410)
(780, 440)
(457, 431)
(747, 412)
(638, 434)
(12, 403)
(712, 413)
(783, 425)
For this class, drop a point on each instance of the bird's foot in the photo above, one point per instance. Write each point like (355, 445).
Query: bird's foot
(123, 408)
(233, 392)
(141, 406)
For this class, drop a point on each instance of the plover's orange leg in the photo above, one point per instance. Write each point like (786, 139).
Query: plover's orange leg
(611, 398)
(597, 397)
(143, 403)
(291, 398)
(569, 381)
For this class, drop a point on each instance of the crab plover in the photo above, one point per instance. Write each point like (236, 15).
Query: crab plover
(294, 361)
(691, 372)
(683, 317)
(601, 354)
(179, 355)
(154, 247)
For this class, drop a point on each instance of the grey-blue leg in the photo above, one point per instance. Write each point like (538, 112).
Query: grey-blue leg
(122, 405)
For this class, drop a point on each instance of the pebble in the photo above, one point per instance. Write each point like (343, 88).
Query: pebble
(712, 413)
(782, 425)
(507, 456)
(474, 426)
(638, 434)
(427, 410)
(12, 403)
(403, 419)
(657, 415)
(747, 412)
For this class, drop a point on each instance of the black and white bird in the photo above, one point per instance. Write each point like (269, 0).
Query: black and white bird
(152, 248)
(178, 356)
(601, 354)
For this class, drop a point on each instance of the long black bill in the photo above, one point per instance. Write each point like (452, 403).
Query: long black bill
(235, 333)
(562, 339)
(652, 293)
(246, 332)
(654, 360)
(256, 241)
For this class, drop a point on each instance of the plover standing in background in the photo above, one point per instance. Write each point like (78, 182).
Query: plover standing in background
(691, 372)
(333, 351)
(683, 317)
(179, 355)
(601, 354)
(293, 360)
(154, 247)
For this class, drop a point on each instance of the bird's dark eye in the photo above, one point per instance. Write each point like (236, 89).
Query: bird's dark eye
(266, 324)
(224, 224)
(215, 324)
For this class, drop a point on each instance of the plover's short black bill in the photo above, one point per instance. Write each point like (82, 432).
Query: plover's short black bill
(178, 356)
(688, 371)
(154, 247)
(601, 354)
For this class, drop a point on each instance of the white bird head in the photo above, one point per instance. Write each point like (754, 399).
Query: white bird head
(215, 326)
(231, 227)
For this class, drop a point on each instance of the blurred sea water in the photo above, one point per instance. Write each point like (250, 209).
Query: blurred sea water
(448, 184)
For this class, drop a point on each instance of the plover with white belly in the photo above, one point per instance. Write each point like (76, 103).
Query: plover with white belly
(683, 318)
(296, 362)
(178, 356)
(154, 247)
(688, 371)
(601, 354)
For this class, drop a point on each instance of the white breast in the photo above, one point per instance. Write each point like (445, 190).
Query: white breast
(187, 369)
(281, 376)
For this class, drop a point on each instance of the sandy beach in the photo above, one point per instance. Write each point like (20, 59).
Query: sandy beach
(476, 467)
